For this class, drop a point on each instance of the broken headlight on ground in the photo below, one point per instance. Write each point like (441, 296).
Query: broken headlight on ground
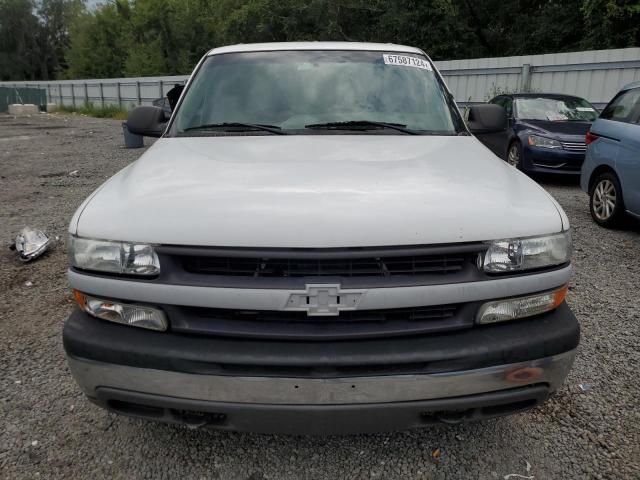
(30, 243)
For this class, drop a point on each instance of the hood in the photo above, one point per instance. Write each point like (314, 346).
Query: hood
(568, 130)
(317, 191)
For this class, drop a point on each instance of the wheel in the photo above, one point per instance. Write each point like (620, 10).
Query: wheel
(514, 155)
(607, 207)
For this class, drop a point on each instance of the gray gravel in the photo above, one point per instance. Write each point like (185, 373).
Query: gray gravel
(48, 430)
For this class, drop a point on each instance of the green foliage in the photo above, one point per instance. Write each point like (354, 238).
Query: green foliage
(496, 90)
(609, 23)
(18, 45)
(99, 43)
(53, 33)
(44, 38)
(169, 36)
(34, 36)
(89, 109)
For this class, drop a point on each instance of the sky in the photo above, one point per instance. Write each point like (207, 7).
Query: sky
(91, 4)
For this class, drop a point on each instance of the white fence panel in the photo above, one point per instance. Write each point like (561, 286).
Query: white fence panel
(595, 75)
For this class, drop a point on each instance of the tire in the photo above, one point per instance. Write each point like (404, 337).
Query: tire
(514, 155)
(605, 200)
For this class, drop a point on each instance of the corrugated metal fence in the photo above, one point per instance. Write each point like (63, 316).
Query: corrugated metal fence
(595, 75)
(124, 92)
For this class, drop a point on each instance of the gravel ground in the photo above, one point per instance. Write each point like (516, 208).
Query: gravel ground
(48, 430)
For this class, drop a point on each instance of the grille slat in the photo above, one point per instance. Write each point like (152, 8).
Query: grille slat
(574, 146)
(356, 267)
(419, 313)
(292, 325)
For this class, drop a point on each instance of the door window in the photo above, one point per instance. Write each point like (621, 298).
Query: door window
(508, 106)
(506, 103)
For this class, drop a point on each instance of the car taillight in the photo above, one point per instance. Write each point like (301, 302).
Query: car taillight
(590, 137)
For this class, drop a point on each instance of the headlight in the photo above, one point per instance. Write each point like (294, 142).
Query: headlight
(125, 313)
(527, 253)
(521, 307)
(113, 257)
(543, 142)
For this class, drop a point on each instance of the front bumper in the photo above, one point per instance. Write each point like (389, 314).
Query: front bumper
(556, 161)
(321, 387)
(320, 406)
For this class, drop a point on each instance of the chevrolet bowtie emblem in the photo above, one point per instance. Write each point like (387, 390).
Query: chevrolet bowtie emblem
(323, 299)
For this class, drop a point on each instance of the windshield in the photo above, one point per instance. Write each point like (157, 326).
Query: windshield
(305, 92)
(556, 109)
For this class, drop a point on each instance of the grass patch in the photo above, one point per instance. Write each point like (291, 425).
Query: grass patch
(89, 109)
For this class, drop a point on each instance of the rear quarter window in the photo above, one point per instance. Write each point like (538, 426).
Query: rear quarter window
(624, 107)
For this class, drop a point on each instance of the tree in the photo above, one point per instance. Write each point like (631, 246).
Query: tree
(165, 36)
(18, 45)
(55, 18)
(34, 37)
(611, 24)
(100, 43)
(42, 39)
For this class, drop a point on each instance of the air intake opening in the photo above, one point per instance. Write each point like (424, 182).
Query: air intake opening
(509, 408)
(193, 418)
(447, 416)
(135, 409)
(458, 416)
(196, 418)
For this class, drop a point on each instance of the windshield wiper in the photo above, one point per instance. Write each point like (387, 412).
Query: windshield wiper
(236, 126)
(361, 125)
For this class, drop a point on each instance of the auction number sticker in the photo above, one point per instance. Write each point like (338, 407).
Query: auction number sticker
(406, 61)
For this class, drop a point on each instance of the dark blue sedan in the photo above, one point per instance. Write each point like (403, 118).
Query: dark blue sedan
(546, 132)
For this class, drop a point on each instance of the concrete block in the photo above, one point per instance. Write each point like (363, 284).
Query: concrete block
(27, 109)
(52, 107)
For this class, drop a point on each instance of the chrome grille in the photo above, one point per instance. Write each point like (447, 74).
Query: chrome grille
(574, 146)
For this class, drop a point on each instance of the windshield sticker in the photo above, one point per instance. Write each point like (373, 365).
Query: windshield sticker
(406, 61)
(585, 109)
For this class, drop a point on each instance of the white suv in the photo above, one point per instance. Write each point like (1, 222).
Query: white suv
(317, 244)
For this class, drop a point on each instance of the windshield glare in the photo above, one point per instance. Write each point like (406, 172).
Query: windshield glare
(292, 89)
(556, 109)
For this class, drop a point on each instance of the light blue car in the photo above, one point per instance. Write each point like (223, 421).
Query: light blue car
(611, 170)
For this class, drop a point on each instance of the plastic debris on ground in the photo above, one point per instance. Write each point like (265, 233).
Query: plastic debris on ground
(517, 475)
(585, 387)
(30, 243)
(435, 455)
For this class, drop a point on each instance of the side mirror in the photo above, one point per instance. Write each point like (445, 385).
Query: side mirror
(147, 121)
(487, 118)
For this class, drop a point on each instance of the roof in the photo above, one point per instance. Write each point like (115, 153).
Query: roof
(631, 85)
(541, 95)
(282, 46)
